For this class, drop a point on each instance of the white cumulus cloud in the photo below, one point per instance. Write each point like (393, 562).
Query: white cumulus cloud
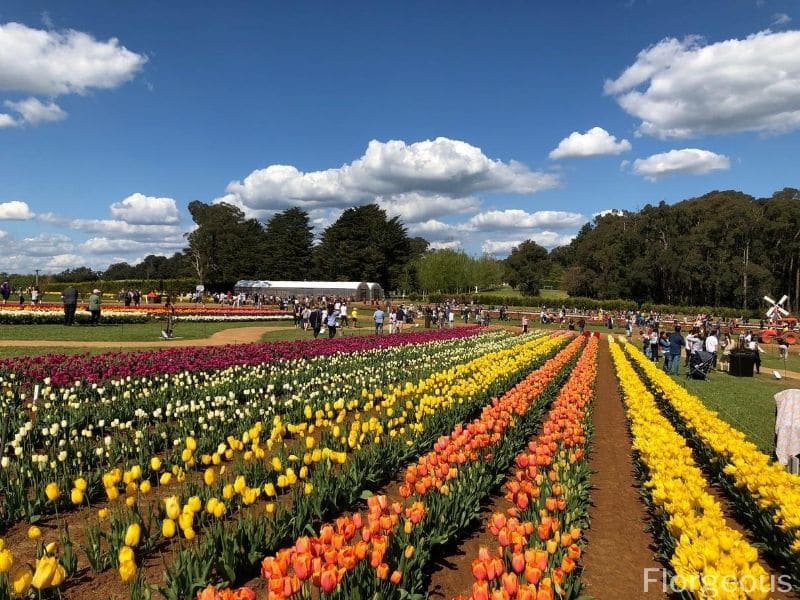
(46, 244)
(140, 209)
(450, 245)
(53, 63)
(104, 245)
(595, 142)
(690, 161)
(520, 219)
(34, 111)
(15, 210)
(683, 88)
(546, 239)
(500, 246)
(394, 173)
(414, 207)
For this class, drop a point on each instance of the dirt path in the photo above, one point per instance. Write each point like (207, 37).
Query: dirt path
(618, 550)
(235, 335)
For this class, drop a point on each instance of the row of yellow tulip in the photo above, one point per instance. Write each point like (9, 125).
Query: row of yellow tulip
(769, 483)
(710, 559)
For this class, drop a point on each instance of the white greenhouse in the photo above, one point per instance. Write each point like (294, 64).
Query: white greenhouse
(361, 291)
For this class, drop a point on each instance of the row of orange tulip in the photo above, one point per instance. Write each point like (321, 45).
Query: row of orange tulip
(537, 535)
(468, 444)
(353, 544)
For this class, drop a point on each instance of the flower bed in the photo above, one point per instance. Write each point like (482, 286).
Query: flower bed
(447, 502)
(358, 440)
(53, 313)
(56, 316)
(59, 370)
(70, 423)
(709, 558)
(765, 494)
(538, 536)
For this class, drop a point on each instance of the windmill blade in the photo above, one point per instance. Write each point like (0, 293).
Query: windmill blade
(782, 300)
(768, 299)
(783, 311)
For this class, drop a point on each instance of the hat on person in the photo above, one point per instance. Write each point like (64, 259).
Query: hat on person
(95, 291)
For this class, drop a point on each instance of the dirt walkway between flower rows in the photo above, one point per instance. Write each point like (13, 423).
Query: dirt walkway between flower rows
(236, 335)
(618, 551)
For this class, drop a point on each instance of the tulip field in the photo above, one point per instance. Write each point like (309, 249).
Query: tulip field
(352, 468)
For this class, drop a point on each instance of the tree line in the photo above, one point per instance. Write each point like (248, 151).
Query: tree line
(725, 248)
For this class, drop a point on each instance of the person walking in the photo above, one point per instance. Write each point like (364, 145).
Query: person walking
(654, 344)
(333, 316)
(524, 323)
(70, 298)
(94, 307)
(315, 321)
(663, 343)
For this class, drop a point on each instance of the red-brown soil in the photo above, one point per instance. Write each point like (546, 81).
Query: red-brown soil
(618, 549)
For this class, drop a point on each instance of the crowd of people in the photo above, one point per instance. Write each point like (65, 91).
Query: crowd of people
(32, 292)
(702, 345)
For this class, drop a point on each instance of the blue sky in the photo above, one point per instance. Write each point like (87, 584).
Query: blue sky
(480, 125)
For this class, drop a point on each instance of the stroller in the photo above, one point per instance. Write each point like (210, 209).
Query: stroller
(700, 365)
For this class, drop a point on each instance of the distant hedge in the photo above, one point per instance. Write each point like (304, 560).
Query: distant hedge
(179, 286)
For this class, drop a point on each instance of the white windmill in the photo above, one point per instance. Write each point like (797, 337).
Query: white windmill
(776, 311)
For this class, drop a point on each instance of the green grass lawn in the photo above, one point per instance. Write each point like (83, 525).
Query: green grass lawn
(743, 402)
(139, 332)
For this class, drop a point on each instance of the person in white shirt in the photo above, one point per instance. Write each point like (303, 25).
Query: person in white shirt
(711, 346)
(752, 344)
(694, 342)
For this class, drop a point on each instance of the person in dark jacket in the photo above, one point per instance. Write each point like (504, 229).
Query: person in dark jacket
(70, 298)
(315, 321)
(676, 345)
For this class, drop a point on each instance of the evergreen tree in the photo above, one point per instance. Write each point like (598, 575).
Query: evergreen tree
(364, 245)
(288, 246)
